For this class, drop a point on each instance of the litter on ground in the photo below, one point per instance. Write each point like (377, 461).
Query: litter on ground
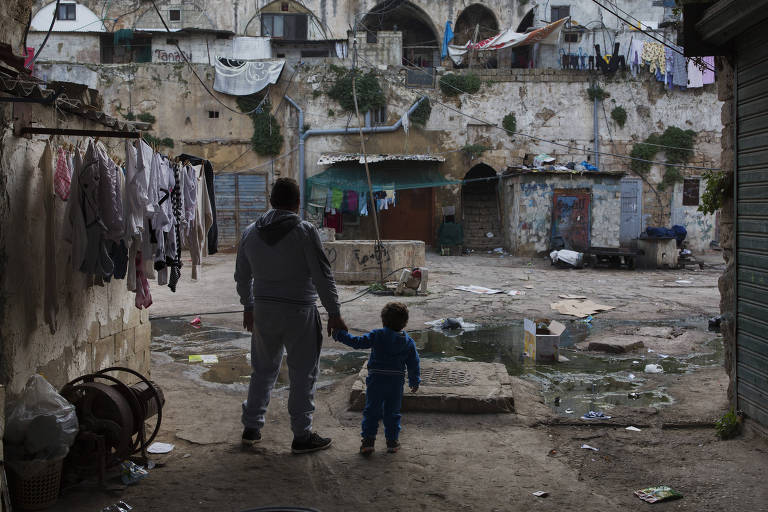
(160, 448)
(480, 290)
(595, 415)
(653, 368)
(588, 447)
(658, 493)
(579, 308)
(204, 358)
(633, 429)
(515, 292)
(540, 494)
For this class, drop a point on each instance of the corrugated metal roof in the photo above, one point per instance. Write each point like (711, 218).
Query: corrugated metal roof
(334, 158)
(30, 87)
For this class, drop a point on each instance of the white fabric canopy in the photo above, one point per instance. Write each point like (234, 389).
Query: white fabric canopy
(549, 34)
(239, 78)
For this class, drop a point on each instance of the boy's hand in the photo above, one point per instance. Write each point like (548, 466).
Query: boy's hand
(414, 389)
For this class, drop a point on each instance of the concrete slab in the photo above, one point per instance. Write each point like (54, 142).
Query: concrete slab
(616, 344)
(453, 387)
(656, 332)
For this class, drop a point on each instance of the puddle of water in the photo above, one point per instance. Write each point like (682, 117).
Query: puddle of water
(587, 381)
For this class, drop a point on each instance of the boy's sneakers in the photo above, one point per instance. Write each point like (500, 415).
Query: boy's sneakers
(312, 444)
(393, 445)
(366, 447)
(251, 436)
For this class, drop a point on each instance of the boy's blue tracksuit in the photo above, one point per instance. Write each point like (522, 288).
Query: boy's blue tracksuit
(391, 353)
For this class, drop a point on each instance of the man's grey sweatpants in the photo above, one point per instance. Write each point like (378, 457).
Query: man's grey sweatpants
(299, 330)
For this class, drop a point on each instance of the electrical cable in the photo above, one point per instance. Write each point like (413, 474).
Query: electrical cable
(50, 29)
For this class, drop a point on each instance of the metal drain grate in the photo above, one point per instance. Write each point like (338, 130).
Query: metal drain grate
(446, 377)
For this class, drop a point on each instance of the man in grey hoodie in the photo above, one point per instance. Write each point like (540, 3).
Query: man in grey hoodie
(280, 271)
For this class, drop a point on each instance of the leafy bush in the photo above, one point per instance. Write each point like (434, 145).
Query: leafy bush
(595, 92)
(267, 139)
(679, 144)
(130, 116)
(474, 150)
(728, 426)
(146, 117)
(157, 141)
(718, 186)
(420, 116)
(509, 123)
(331, 113)
(619, 115)
(369, 93)
(452, 84)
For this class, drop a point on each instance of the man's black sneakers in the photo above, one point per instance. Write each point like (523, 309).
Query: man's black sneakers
(393, 445)
(311, 444)
(251, 436)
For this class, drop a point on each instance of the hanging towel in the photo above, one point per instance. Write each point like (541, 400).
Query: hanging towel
(50, 299)
(679, 68)
(63, 177)
(337, 196)
(363, 200)
(342, 49)
(695, 77)
(447, 38)
(708, 75)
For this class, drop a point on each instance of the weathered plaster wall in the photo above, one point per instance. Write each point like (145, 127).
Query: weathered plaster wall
(701, 228)
(97, 326)
(14, 15)
(386, 51)
(67, 47)
(528, 204)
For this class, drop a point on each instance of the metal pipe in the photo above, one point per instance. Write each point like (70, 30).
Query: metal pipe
(597, 134)
(304, 135)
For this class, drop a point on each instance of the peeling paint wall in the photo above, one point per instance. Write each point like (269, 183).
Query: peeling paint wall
(702, 229)
(528, 204)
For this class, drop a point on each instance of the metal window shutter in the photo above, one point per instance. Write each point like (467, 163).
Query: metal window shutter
(240, 199)
(752, 225)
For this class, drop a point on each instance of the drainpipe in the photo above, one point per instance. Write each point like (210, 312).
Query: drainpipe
(597, 135)
(304, 135)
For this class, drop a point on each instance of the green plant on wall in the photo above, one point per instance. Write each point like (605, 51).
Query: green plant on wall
(157, 141)
(677, 145)
(452, 84)
(420, 116)
(718, 186)
(146, 117)
(619, 115)
(266, 139)
(509, 123)
(369, 93)
(595, 92)
(474, 150)
(130, 116)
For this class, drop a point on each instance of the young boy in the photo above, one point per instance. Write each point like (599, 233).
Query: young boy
(392, 350)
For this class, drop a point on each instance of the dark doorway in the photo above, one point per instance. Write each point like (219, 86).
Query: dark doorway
(571, 219)
(421, 46)
(521, 56)
(412, 218)
(478, 18)
(480, 210)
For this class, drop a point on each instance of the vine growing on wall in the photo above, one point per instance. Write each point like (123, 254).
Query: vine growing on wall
(676, 144)
(474, 150)
(158, 141)
(619, 115)
(420, 116)
(718, 186)
(595, 92)
(452, 84)
(370, 96)
(509, 123)
(266, 139)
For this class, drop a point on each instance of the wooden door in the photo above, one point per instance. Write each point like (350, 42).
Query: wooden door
(412, 218)
(571, 218)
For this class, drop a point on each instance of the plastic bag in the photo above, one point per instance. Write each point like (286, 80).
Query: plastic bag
(42, 424)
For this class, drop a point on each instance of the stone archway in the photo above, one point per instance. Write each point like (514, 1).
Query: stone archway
(421, 42)
(480, 210)
(475, 16)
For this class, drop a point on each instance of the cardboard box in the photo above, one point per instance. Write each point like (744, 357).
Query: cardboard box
(542, 346)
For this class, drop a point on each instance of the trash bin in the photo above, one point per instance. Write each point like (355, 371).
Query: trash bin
(34, 485)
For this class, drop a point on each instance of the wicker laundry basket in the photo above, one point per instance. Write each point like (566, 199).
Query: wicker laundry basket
(35, 486)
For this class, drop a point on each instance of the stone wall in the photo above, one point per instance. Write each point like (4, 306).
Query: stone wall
(96, 326)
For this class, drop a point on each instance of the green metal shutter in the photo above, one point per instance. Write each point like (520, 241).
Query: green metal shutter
(752, 224)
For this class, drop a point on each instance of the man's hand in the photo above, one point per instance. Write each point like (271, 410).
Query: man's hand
(335, 323)
(248, 320)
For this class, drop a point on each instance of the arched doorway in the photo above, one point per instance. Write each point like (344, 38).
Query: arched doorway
(480, 209)
(478, 18)
(421, 44)
(521, 57)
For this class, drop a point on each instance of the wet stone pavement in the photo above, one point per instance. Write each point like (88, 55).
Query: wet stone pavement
(586, 381)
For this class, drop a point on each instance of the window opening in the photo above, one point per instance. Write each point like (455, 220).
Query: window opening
(174, 15)
(213, 114)
(292, 27)
(571, 37)
(560, 11)
(67, 12)
(372, 37)
(691, 192)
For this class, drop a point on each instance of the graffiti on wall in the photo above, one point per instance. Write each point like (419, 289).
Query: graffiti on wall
(171, 56)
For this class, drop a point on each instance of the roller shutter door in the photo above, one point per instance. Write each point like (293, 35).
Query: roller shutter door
(240, 199)
(752, 224)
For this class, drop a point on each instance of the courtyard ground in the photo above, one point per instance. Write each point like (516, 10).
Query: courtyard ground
(462, 462)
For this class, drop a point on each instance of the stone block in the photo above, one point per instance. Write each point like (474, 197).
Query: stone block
(142, 338)
(619, 344)
(354, 261)
(125, 344)
(453, 387)
(103, 353)
(144, 316)
(131, 318)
